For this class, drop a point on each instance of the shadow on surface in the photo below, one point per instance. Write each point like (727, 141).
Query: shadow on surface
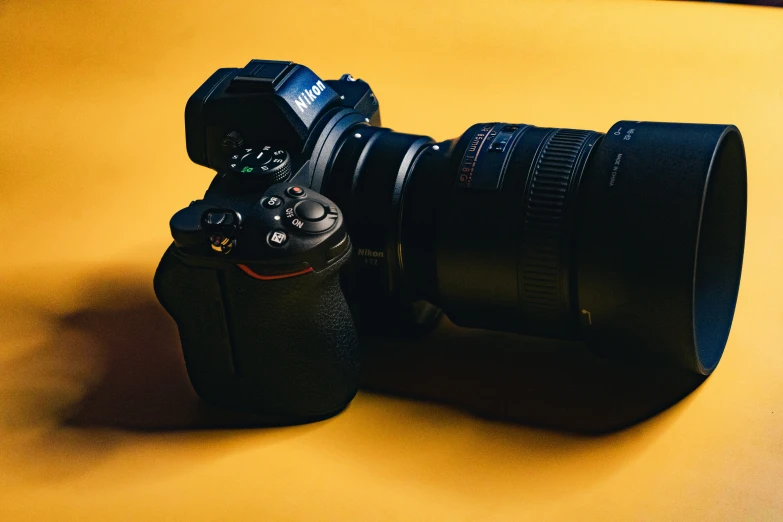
(145, 386)
(116, 362)
(77, 389)
(534, 382)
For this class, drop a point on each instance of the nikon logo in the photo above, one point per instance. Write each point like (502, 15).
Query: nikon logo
(366, 252)
(308, 96)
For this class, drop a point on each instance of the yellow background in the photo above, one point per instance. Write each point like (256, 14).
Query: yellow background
(93, 164)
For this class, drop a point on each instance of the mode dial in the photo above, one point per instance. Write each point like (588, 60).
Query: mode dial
(264, 164)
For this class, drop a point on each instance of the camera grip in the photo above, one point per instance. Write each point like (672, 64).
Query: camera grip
(282, 348)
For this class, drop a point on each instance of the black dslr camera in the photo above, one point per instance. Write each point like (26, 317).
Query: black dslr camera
(631, 241)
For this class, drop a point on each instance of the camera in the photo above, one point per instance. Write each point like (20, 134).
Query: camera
(319, 220)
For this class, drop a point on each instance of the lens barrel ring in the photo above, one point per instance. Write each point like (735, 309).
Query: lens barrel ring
(543, 262)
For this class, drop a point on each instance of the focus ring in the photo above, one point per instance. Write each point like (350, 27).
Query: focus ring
(544, 294)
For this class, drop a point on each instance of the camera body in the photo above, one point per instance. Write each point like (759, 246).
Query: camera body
(631, 241)
(252, 278)
(286, 104)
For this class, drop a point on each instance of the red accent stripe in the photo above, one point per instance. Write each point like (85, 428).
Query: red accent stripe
(246, 269)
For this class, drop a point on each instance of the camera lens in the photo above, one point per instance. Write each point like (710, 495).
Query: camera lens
(661, 241)
(631, 241)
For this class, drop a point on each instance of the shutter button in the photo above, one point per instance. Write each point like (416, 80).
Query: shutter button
(310, 210)
(310, 217)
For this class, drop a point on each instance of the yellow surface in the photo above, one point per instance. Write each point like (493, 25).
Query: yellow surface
(93, 164)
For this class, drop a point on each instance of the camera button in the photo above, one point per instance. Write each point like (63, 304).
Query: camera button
(310, 210)
(295, 192)
(277, 238)
(318, 227)
(271, 202)
(299, 222)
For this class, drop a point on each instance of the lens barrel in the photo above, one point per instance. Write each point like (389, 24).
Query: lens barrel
(631, 241)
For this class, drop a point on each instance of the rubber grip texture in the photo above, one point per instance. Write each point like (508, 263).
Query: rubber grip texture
(285, 349)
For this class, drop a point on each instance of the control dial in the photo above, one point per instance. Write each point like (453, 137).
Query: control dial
(265, 164)
(221, 224)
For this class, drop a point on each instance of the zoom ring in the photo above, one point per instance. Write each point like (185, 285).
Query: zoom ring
(543, 258)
